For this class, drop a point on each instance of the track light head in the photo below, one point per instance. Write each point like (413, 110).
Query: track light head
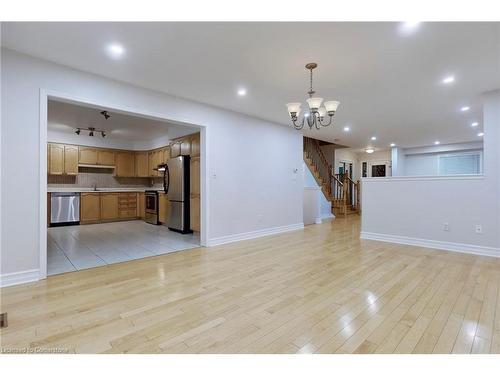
(103, 134)
(105, 114)
(78, 131)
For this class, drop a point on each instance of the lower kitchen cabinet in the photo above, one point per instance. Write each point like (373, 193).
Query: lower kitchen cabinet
(194, 212)
(127, 205)
(90, 208)
(141, 206)
(109, 206)
(163, 208)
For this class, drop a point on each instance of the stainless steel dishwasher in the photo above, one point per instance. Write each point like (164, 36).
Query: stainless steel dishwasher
(64, 209)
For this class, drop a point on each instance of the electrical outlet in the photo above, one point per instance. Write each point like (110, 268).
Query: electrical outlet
(479, 229)
(446, 227)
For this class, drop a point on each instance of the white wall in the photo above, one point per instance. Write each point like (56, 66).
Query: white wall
(413, 209)
(310, 182)
(252, 185)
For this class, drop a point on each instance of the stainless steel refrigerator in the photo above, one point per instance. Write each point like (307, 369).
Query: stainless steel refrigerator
(176, 185)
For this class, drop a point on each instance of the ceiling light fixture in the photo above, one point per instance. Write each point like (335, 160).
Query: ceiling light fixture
(242, 92)
(480, 134)
(346, 128)
(408, 27)
(393, 145)
(474, 124)
(448, 80)
(316, 113)
(465, 108)
(369, 150)
(373, 138)
(437, 142)
(105, 114)
(91, 131)
(115, 50)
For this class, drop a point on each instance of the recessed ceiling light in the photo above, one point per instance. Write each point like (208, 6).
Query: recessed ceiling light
(369, 150)
(448, 80)
(465, 108)
(480, 134)
(393, 145)
(373, 138)
(408, 27)
(115, 50)
(437, 142)
(474, 124)
(242, 92)
(346, 128)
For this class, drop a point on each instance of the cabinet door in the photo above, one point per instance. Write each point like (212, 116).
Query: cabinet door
(141, 164)
(71, 160)
(195, 145)
(105, 157)
(124, 164)
(56, 159)
(186, 146)
(87, 155)
(151, 164)
(194, 214)
(141, 205)
(166, 154)
(194, 176)
(90, 207)
(109, 206)
(175, 149)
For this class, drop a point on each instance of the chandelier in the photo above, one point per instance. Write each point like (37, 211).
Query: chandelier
(315, 117)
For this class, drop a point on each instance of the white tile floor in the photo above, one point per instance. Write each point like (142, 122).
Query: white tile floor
(79, 247)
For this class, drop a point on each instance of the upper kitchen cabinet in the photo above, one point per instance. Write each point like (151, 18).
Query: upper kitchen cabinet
(56, 159)
(62, 159)
(175, 149)
(105, 157)
(141, 164)
(124, 164)
(195, 145)
(87, 155)
(70, 160)
(186, 146)
(96, 156)
(166, 154)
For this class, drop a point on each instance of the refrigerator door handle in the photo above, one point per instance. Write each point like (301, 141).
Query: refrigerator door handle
(166, 179)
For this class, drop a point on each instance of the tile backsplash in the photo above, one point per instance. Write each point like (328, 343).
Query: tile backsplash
(102, 178)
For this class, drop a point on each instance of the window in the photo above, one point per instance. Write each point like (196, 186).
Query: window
(364, 169)
(464, 163)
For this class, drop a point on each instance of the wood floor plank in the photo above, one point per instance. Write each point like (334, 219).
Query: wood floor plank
(317, 290)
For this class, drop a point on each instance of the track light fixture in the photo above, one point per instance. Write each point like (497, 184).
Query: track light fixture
(105, 114)
(91, 131)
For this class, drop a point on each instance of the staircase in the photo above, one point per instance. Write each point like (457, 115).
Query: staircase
(339, 189)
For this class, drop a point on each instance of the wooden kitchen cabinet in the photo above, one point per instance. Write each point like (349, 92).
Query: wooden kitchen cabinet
(127, 205)
(141, 205)
(62, 159)
(90, 208)
(163, 208)
(70, 160)
(141, 164)
(155, 159)
(194, 214)
(166, 154)
(55, 159)
(175, 149)
(194, 198)
(186, 146)
(109, 206)
(87, 155)
(195, 145)
(124, 164)
(105, 157)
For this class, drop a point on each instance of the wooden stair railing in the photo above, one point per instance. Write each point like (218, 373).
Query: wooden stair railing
(339, 188)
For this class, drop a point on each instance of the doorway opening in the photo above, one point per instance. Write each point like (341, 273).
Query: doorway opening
(102, 175)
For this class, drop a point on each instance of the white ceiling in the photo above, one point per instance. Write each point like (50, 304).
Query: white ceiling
(66, 117)
(388, 82)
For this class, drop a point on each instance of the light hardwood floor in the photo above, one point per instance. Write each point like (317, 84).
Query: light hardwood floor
(320, 290)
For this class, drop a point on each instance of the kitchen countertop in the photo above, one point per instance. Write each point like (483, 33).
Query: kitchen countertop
(99, 190)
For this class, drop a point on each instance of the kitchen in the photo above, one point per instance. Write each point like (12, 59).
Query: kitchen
(120, 187)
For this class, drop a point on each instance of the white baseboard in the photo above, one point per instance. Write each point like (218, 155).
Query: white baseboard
(255, 234)
(22, 277)
(440, 245)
